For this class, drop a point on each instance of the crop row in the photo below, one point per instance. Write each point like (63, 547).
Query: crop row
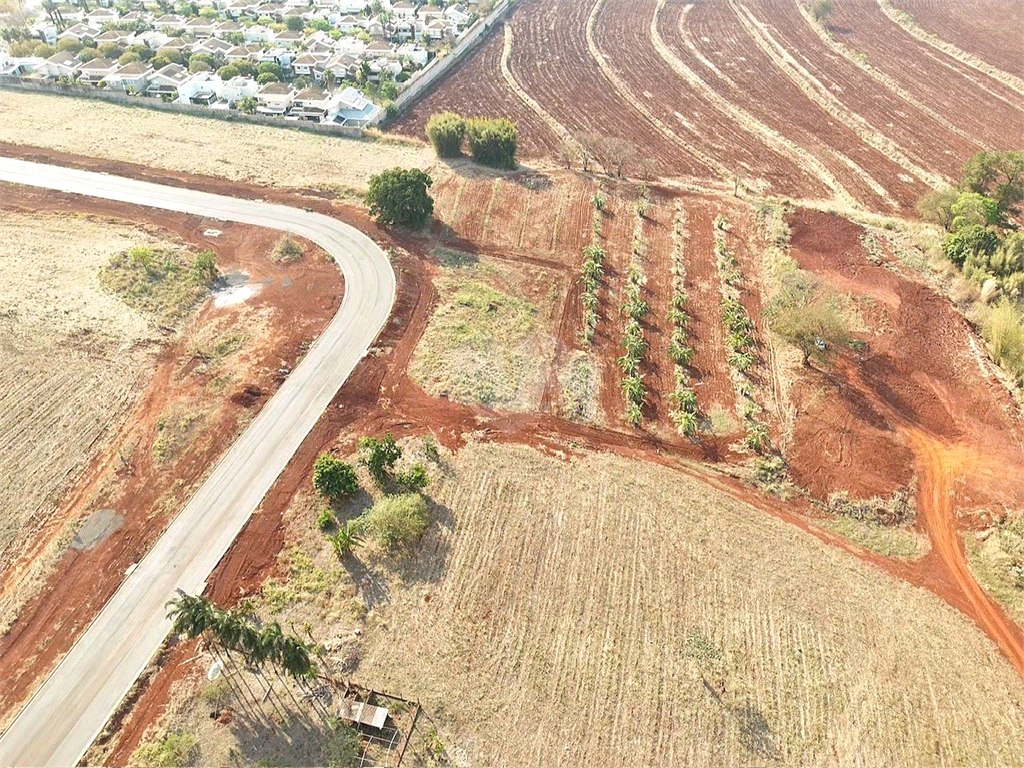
(635, 308)
(683, 400)
(593, 272)
(739, 335)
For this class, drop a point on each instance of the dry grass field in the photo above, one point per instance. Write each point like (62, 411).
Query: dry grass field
(603, 611)
(75, 358)
(252, 153)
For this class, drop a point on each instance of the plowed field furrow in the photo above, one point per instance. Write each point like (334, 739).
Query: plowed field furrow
(552, 62)
(622, 35)
(967, 24)
(827, 100)
(709, 40)
(709, 367)
(572, 227)
(476, 87)
(882, 109)
(924, 140)
(469, 216)
(507, 212)
(936, 75)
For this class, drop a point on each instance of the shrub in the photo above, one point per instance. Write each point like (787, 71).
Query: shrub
(446, 130)
(167, 750)
(346, 539)
(492, 142)
(757, 437)
(396, 521)
(263, 78)
(399, 196)
(325, 520)
(334, 478)
(247, 105)
(415, 479)
(379, 457)
(1004, 331)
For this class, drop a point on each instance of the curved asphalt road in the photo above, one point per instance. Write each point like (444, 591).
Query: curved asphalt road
(68, 712)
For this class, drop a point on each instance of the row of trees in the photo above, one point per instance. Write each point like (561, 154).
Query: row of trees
(262, 647)
(617, 156)
(491, 141)
(592, 272)
(634, 346)
(683, 400)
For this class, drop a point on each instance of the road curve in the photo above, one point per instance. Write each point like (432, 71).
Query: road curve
(66, 714)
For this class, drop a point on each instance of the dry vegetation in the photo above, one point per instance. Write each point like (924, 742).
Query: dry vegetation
(75, 358)
(602, 611)
(255, 153)
(486, 342)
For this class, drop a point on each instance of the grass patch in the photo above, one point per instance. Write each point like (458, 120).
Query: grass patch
(305, 582)
(454, 259)
(167, 750)
(578, 388)
(898, 509)
(1003, 329)
(883, 539)
(396, 521)
(996, 558)
(722, 422)
(164, 284)
(480, 347)
(173, 431)
(286, 251)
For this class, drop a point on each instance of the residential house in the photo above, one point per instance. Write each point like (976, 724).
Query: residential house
(438, 29)
(94, 71)
(176, 45)
(152, 39)
(288, 39)
(275, 99)
(349, 6)
(213, 46)
(458, 14)
(45, 32)
(121, 37)
(169, 21)
(403, 29)
(70, 13)
(226, 28)
(276, 56)
(343, 23)
(134, 17)
(199, 27)
(309, 65)
(320, 46)
(342, 66)
(131, 78)
(310, 104)
(100, 16)
(83, 33)
(166, 81)
(257, 33)
(403, 10)
(414, 53)
(236, 89)
(201, 88)
(373, 28)
(61, 64)
(243, 53)
(350, 107)
(18, 66)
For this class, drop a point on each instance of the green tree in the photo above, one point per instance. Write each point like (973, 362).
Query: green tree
(295, 23)
(44, 50)
(446, 130)
(128, 57)
(399, 196)
(379, 457)
(334, 478)
(69, 44)
(88, 54)
(969, 240)
(228, 71)
(936, 206)
(806, 316)
(247, 105)
(821, 9)
(492, 142)
(269, 66)
(998, 175)
(110, 50)
(267, 77)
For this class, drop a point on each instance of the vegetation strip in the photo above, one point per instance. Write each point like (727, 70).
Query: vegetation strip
(683, 400)
(593, 272)
(634, 346)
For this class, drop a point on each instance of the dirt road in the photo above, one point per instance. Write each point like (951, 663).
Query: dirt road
(940, 469)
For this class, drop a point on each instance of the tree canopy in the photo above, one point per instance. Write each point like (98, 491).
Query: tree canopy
(446, 130)
(399, 196)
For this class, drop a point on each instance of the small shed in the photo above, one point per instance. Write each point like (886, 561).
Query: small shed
(362, 713)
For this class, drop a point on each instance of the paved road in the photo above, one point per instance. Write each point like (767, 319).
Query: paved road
(68, 712)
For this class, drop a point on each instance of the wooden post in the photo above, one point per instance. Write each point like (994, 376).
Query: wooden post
(405, 743)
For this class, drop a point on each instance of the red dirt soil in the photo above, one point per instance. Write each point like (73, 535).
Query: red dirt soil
(744, 73)
(622, 34)
(484, 94)
(968, 24)
(921, 374)
(979, 104)
(304, 296)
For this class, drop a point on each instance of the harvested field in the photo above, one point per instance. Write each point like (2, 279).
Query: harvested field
(709, 39)
(968, 25)
(937, 80)
(598, 611)
(264, 155)
(622, 32)
(76, 359)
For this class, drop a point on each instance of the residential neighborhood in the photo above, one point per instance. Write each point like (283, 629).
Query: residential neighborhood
(341, 62)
